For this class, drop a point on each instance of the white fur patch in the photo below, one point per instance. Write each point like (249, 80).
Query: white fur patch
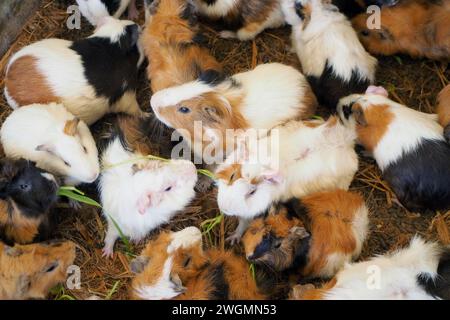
(174, 95)
(111, 28)
(219, 9)
(49, 176)
(12, 103)
(184, 239)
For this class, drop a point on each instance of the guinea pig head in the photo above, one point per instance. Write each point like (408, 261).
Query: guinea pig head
(30, 271)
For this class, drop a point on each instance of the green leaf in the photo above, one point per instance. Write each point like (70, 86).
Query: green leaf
(317, 117)
(77, 195)
(128, 248)
(399, 60)
(113, 290)
(208, 225)
(252, 269)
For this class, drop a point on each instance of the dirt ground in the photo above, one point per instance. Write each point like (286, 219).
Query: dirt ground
(415, 83)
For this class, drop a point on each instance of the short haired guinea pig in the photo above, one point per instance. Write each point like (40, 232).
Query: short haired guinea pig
(91, 77)
(54, 139)
(353, 7)
(332, 58)
(443, 111)
(30, 271)
(95, 10)
(175, 266)
(140, 194)
(419, 28)
(26, 196)
(242, 19)
(338, 225)
(408, 146)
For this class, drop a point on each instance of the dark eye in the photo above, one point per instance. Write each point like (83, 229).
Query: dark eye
(67, 164)
(84, 149)
(184, 110)
(252, 192)
(187, 262)
(24, 187)
(277, 244)
(365, 33)
(52, 267)
(168, 189)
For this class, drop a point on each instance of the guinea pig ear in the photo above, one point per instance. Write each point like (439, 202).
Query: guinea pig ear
(128, 41)
(45, 148)
(23, 284)
(358, 114)
(138, 264)
(71, 127)
(12, 251)
(272, 176)
(299, 232)
(381, 91)
(384, 34)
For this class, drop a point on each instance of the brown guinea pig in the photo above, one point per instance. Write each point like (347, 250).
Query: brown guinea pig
(419, 28)
(30, 271)
(338, 225)
(443, 111)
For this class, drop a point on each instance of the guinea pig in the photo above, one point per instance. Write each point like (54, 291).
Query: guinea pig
(419, 28)
(332, 58)
(175, 266)
(302, 158)
(408, 146)
(418, 272)
(171, 43)
(242, 19)
(26, 196)
(338, 225)
(30, 271)
(138, 193)
(443, 111)
(54, 139)
(95, 10)
(91, 77)
(352, 8)
(262, 98)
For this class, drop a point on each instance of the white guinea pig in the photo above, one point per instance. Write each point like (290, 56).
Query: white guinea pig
(95, 10)
(53, 138)
(91, 76)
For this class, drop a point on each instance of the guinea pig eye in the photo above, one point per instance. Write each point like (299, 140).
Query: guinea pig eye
(187, 262)
(51, 267)
(24, 187)
(252, 192)
(184, 110)
(365, 33)
(84, 149)
(168, 189)
(277, 244)
(67, 164)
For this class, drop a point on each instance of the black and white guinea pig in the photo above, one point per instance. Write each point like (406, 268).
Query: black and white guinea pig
(353, 7)
(443, 111)
(91, 77)
(408, 146)
(95, 10)
(26, 196)
(332, 57)
(242, 19)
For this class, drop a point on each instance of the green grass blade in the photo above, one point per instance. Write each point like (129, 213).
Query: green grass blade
(113, 290)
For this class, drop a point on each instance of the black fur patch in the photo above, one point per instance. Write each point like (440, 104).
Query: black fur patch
(301, 254)
(112, 6)
(210, 2)
(296, 209)
(447, 133)
(211, 77)
(299, 10)
(220, 285)
(421, 178)
(263, 247)
(440, 286)
(189, 14)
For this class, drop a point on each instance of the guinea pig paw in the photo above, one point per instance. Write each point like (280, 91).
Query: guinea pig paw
(107, 252)
(234, 239)
(227, 34)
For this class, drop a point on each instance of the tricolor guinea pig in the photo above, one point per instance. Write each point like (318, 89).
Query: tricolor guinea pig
(353, 7)
(302, 158)
(332, 58)
(175, 266)
(242, 19)
(337, 222)
(171, 43)
(95, 10)
(262, 98)
(419, 28)
(140, 194)
(31, 271)
(418, 272)
(26, 196)
(408, 146)
(54, 139)
(443, 111)
(91, 77)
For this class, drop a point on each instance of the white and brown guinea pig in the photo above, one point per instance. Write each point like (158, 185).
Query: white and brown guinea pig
(91, 77)
(242, 19)
(420, 271)
(408, 146)
(443, 111)
(27, 195)
(419, 28)
(31, 271)
(54, 139)
(334, 61)
(337, 224)
(353, 7)
(140, 194)
(175, 266)
(95, 10)
(262, 98)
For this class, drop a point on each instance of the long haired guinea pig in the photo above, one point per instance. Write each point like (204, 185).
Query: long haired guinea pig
(353, 7)
(303, 158)
(91, 77)
(30, 271)
(95, 10)
(408, 146)
(171, 43)
(175, 266)
(139, 194)
(242, 19)
(337, 224)
(26, 196)
(54, 139)
(443, 111)
(332, 58)
(419, 272)
(419, 28)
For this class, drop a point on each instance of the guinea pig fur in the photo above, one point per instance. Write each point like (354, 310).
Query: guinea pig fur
(91, 77)
(267, 96)
(443, 111)
(352, 8)
(30, 271)
(332, 58)
(26, 196)
(419, 28)
(337, 222)
(242, 19)
(140, 195)
(171, 42)
(418, 272)
(175, 266)
(408, 146)
(95, 10)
